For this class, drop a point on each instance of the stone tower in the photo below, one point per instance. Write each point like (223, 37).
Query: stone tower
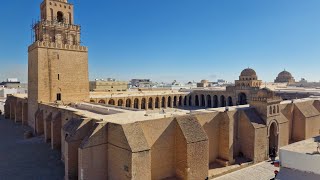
(57, 63)
(267, 104)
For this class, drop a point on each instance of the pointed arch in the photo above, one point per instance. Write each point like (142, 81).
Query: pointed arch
(111, 102)
(197, 101)
(120, 102)
(169, 101)
(136, 103)
(150, 103)
(163, 102)
(143, 103)
(157, 103)
(185, 100)
(230, 103)
(203, 101)
(180, 101)
(209, 101)
(222, 101)
(101, 101)
(128, 103)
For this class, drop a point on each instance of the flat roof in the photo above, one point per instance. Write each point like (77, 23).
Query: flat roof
(308, 146)
(119, 115)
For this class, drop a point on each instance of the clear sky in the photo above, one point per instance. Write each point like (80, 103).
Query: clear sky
(179, 39)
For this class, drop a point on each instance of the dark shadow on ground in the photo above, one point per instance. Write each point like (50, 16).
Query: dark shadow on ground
(26, 158)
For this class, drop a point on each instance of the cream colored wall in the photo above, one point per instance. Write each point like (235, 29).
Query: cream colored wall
(71, 159)
(246, 138)
(298, 126)
(198, 160)
(212, 130)
(33, 82)
(283, 134)
(260, 144)
(313, 127)
(141, 165)
(73, 83)
(181, 155)
(163, 154)
(226, 142)
(93, 162)
(119, 163)
(108, 86)
(287, 111)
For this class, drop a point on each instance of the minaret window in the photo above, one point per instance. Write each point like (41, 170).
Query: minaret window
(60, 16)
(59, 97)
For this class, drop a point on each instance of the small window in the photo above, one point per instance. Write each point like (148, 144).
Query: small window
(58, 76)
(59, 97)
(126, 168)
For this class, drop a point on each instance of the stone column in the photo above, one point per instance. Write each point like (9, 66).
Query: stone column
(212, 102)
(160, 103)
(166, 103)
(154, 103)
(139, 104)
(146, 104)
(124, 102)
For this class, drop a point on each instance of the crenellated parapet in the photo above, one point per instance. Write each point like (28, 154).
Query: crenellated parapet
(52, 45)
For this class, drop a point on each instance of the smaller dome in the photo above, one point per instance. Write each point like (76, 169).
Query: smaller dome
(285, 74)
(248, 72)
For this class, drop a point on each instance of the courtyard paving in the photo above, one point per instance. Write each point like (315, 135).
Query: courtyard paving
(30, 159)
(261, 171)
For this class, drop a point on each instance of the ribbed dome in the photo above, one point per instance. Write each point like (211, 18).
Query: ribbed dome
(285, 74)
(248, 72)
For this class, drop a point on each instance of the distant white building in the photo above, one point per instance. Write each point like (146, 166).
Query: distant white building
(5, 91)
(141, 83)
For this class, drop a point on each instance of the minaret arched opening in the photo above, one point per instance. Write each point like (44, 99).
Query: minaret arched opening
(60, 16)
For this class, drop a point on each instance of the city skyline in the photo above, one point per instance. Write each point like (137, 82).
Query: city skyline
(180, 40)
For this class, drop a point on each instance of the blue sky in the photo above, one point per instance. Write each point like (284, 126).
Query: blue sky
(179, 39)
